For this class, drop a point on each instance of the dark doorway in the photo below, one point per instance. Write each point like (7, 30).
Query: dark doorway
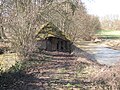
(57, 44)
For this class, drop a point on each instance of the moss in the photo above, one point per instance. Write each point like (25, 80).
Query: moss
(50, 30)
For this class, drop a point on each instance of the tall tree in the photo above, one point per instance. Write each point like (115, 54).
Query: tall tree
(2, 34)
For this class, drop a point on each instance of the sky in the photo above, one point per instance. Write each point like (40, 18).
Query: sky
(103, 8)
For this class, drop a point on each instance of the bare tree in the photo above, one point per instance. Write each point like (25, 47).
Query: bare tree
(24, 17)
(110, 23)
(2, 34)
(91, 25)
(21, 24)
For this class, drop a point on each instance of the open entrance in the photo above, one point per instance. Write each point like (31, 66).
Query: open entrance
(57, 44)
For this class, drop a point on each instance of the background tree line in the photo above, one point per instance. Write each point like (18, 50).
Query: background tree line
(110, 23)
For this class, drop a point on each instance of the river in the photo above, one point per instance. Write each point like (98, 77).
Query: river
(101, 52)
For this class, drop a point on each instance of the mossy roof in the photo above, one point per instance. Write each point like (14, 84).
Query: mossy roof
(49, 30)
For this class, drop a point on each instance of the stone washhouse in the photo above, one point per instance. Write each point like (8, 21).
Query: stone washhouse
(50, 38)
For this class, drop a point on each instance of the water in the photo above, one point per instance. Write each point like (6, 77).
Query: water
(102, 53)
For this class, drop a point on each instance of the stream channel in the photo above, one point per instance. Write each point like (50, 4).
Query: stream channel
(101, 52)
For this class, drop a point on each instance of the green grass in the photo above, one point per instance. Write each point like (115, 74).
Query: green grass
(110, 34)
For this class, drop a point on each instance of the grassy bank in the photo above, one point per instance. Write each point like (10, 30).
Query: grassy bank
(108, 34)
(50, 75)
(65, 72)
(69, 74)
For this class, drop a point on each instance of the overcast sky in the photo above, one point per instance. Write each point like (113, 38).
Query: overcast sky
(102, 8)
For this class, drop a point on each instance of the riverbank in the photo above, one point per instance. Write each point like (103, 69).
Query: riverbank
(67, 74)
(56, 73)
(52, 74)
(114, 44)
(112, 38)
(62, 72)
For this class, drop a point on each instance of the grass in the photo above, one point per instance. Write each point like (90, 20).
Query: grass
(80, 74)
(109, 34)
(7, 60)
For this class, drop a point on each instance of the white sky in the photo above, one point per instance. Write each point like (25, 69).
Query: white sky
(102, 8)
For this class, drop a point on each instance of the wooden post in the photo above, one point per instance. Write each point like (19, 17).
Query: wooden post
(59, 45)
